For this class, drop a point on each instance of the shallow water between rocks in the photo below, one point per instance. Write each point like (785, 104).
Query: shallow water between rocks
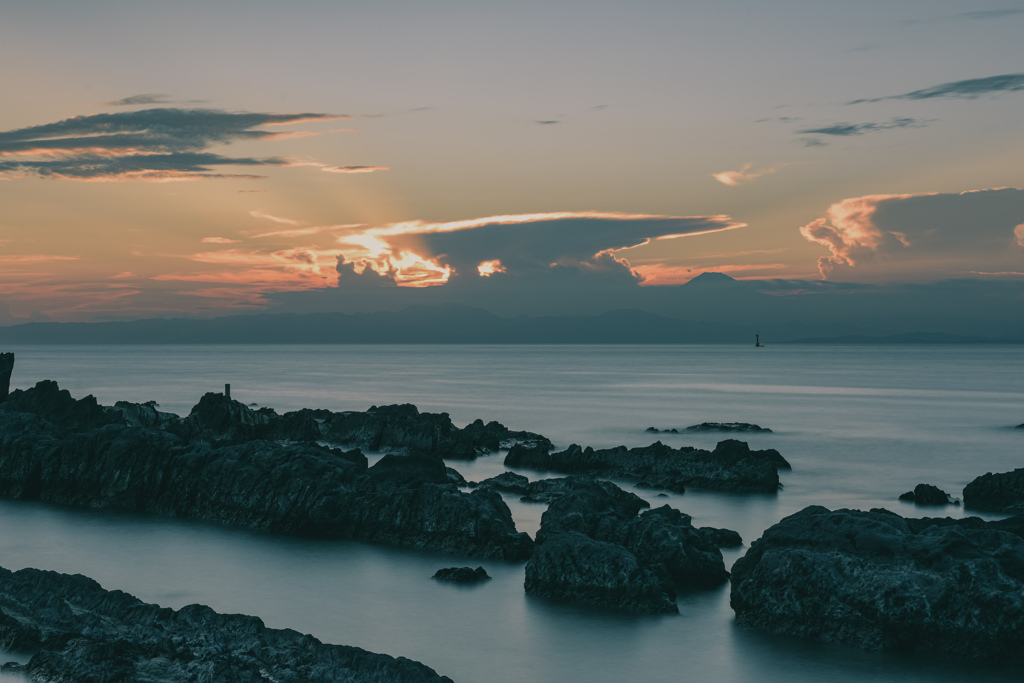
(860, 425)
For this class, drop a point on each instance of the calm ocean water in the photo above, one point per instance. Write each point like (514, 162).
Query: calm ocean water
(860, 425)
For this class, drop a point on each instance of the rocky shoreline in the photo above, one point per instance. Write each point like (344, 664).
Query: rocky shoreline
(77, 631)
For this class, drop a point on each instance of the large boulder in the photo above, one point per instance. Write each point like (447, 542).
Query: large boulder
(926, 494)
(77, 631)
(594, 549)
(732, 466)
(881, 582)
(1001, 492)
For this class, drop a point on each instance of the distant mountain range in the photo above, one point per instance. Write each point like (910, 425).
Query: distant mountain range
(452, 324)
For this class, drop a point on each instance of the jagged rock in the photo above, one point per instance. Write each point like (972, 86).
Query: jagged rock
(462, 575)
(878, 581)
(655, 430)
(80, 632)
(732, 466)
(509, 482)
(6, 369)
(926, 494)
(1002, 492)
(727, 427)
(455, 477)
(56, 405)
(294, 488)
(593, 549)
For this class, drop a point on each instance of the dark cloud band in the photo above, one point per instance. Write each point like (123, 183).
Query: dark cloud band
(967, 89)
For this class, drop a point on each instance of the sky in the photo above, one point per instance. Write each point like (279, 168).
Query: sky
(208, 158)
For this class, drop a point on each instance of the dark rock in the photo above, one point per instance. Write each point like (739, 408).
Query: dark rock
(655, 430)
(462, 575)
(926, 494)
(593, 549)
(662, 495)
(454, 477)
(878, 581)
(6, 369)
(727, 427)
(66, 415)
(507, 482)
(1002, 492)
(293, 488)
(732, 466)
(80, 632)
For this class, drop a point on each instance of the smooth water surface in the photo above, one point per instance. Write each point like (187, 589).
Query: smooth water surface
(860, 425)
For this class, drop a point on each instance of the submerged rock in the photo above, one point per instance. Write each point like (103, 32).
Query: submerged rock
(297, 488)
(926, 494)
(594, 549)
(77, 631)
(1002, 492)
(727, 427)
(462, 575)
(881, 582)
(732, 466)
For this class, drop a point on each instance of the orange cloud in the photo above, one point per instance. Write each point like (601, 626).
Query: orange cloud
(744, 175)
(219, 240)
(489, 268)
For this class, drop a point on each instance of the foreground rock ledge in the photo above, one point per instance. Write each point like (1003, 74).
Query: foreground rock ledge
(58, 450)
(77, 631)
(874, 580)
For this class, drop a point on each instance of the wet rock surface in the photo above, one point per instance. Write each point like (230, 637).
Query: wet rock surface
(77, 631)
(926, 494)
(1001, 492)
(132, 457)
(732, 466)
(462, 575)
(875, 580)
(727, 427)
(594, 549)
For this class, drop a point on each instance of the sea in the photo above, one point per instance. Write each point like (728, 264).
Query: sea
(859, 424)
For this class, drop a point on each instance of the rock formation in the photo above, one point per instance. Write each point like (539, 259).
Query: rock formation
(6, 368)
(59, 450)
(1002, 492)
(77, 631)
(732, 466)
(881, 582)
(727, 427)
(926, 494)
(593, 549)
(461, 575)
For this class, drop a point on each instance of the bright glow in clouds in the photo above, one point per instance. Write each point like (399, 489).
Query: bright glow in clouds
(489, 268)
(849, 231)
(1019, 234)
(744, 175)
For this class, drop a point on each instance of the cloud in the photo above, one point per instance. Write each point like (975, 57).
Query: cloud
(848, 129)
(547, 123)
(149, 98)
(1019, 233)
(968, 89)
(327, 168)
(990, 14)
(219, 240)
(150, 144)
(905, 236)
(744, 175)
(261, 214)
(34, 258)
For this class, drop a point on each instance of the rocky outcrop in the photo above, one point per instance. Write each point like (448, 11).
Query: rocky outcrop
(77, 631)
(655, 430)
(1002, 492)
(594, 549)
(732, 466)
(6, 368)
(462, 575)
(881, 582)
(926, 494)
(727, 427)
(285, 487)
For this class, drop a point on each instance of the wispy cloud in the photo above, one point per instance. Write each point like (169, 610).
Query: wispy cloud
(150, 144)
(850, 129)
(966, 89)
(219, 240)
(327, 168)
(149, 98)
(276, 219)
(990, 14)
(744, 175)
(34, 258)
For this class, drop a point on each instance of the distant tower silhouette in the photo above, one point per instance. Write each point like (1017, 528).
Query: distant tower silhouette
(757, 340)
(227, 391)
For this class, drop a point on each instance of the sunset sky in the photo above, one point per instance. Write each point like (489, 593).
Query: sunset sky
(195, 158)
